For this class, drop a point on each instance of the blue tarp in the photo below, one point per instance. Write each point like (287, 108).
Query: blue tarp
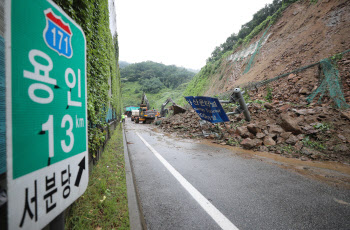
(130, 108)
(208, 108)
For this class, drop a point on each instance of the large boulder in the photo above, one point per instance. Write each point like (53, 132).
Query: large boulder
(285, 135)
(292, 140)
(260, 135)
(250, 143)
(268, 141)
(290, 124)
(276, 129)
(242, 131)
(253, 129)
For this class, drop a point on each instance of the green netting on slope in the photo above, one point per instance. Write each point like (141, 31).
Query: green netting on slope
(256, 51)
(331, 83)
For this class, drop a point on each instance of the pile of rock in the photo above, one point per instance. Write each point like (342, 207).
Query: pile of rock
(185, 123)
(278, 127)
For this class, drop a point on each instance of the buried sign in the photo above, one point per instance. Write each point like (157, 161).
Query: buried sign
(208, 108)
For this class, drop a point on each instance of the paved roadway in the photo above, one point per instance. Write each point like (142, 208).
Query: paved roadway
(183, 184)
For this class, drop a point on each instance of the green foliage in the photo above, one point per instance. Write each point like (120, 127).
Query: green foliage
(313, 1)
(102, 58)
(96, 138)
(263, 18)
(153, 85)
(158, 81)
(130, 98)
(170, 76)
(313, 144)
(288, 149)
(335, 58)
(269, 95)
(247, 31)
(104, 205)
(233, 142)
(199, 83)
(323, 127)
(256, 30)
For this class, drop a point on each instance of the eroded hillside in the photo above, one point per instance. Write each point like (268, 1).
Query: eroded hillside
(296, 74)
(305, 34)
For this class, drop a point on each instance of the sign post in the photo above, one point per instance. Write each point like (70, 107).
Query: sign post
(46, 112)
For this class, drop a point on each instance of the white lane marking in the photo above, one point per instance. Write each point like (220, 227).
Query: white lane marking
(213, 212)
(341, 201)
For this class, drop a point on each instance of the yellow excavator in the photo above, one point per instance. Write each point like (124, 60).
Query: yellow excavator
(146, 115)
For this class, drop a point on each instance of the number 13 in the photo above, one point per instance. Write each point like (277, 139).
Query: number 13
(48, 126)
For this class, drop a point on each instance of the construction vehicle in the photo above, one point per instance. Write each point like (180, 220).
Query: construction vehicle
(146, 115)
(176, 108)
(135, 114)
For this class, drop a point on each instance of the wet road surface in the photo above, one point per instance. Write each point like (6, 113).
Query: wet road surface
(185, 184)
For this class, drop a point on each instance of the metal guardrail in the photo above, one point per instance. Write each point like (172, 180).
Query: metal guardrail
(237, 96)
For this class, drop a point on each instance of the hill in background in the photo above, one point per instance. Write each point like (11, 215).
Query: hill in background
(158, 81)
(123, 64)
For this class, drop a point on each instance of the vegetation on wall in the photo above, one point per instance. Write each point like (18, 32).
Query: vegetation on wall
(102, 58)
(104, 204)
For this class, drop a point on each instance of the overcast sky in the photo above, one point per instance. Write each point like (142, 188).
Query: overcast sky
(179, 32)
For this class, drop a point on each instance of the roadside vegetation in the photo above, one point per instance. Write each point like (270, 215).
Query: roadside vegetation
(104, 205)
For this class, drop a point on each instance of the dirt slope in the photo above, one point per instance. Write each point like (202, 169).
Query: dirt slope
(305, 34)
(283, 121)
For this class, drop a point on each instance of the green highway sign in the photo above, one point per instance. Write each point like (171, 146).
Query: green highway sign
(46, 112)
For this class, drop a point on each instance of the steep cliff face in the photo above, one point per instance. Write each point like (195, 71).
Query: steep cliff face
(306, 33)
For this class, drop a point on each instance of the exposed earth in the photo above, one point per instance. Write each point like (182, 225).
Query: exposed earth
(283, 121)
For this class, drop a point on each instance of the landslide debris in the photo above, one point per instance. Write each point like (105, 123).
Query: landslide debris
(315, 132)
(283, 122)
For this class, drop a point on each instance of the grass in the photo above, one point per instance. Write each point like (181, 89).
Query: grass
(313, 144)
(104, 204)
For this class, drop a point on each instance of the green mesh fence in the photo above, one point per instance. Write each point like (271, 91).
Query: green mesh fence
(330, 83)
(258, 47)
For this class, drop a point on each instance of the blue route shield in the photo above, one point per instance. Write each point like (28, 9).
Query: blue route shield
(208, 108)
(58, 34)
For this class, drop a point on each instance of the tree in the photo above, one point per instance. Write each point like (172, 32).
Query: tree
(153, 85)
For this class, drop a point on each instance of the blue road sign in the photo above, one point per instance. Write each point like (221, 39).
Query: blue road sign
(208, 108)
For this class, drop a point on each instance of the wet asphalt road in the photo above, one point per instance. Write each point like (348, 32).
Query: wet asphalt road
(250, 193)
